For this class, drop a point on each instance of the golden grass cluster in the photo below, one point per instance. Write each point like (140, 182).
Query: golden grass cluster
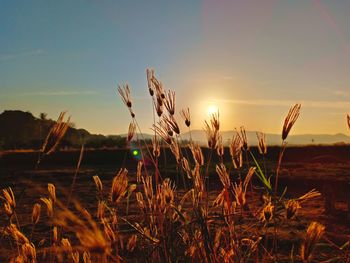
(173, 223)
(55, 134)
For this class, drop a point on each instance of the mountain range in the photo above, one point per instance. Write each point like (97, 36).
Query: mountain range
(271, 139)
(275, 139)
(21, 130)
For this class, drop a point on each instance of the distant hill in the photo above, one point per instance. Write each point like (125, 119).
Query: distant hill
(21, 130)
(272, 139)
(275, 139)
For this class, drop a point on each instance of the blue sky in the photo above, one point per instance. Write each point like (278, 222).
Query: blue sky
(253, 59)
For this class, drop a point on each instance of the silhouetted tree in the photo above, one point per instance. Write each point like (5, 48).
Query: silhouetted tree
(43, 116)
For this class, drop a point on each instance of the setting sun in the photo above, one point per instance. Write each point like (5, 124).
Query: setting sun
(212, 109)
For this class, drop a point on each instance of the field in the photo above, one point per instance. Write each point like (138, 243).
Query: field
(324, 168)
(166, 200)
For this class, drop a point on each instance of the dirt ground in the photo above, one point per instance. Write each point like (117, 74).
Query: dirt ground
(325, 169)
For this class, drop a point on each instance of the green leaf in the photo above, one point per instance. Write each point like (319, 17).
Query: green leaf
(261, 175)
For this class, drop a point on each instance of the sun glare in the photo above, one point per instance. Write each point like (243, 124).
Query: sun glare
(212, 109)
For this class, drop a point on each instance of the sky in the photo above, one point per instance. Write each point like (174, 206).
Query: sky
(252, 59)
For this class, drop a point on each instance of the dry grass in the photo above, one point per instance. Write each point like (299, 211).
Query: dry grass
(171, 224)
(55, 134)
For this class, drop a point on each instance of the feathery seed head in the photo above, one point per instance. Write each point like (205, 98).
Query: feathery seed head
(175, 149)
(314, 233)
(163, 132)
(66, 244)
(212, 130)
(198, 182)
(292, 207)
(244, 139)
(75, 256)
(166, 127)
(171, 122)
(290, 119)
(148, 187)
(140, 201)
(309, 195)
(17, 235)
(49, 205)
(239, 194)
(101, 208)
(86, 257)
(158, 105)
(160, 101)
(215, 122)
(220, 199)
(155, 147)
(119, 186)
(150, 75)
(262, 143)
(98, 184)
(169, 102)
(110, 234)
(29, 252)
(54, 235)
(52, 192)
(9, 210)
(241, 188)
(55, 135)
(158, 86)
(17, 259)
(161, 91)
(212, 135)
(249, 176)
(139, 171)
(267, 212)
(197, 154)
(85, 228)
(186, 167)
(36, 213)
(124, 92)
(10, 201)
(167, 193)
(9, 197)
(220, 147)
(236, 151)
(223, 175)
(185, 114)
(131, 131)
(131, 243)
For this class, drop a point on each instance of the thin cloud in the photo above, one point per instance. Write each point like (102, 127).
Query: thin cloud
(12, 56)
(341, 93)
(59, 93)
(214, 77)
(305, 103)
(227, 77)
